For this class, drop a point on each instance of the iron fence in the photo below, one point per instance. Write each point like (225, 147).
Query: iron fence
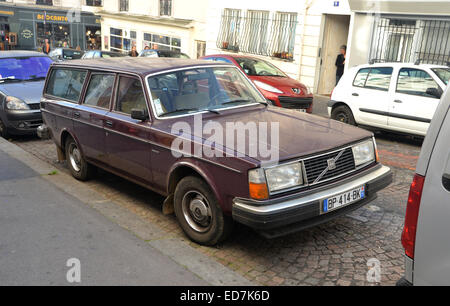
(407, 40)
(257, 33)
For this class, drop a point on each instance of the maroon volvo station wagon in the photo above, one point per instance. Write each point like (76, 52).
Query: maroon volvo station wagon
(125, 115)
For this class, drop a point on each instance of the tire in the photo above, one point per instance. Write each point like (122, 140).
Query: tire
(3, 130)
(343, 114)
(198, 212)
(78, 166)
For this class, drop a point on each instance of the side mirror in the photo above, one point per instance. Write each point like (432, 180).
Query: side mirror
(139, 114)
(432, 91)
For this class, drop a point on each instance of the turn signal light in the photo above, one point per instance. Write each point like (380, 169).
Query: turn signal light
(258, 191)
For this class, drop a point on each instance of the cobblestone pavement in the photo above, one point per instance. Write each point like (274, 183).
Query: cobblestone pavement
(335, 253)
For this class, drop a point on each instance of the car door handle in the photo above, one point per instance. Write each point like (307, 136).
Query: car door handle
(446, 181)
(398, 101)
(109, 123)
(355, 94)
(76, 115)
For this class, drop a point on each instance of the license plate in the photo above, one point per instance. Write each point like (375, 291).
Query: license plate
(343, 199)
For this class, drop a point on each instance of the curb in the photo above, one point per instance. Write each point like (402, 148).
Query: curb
(179, 251)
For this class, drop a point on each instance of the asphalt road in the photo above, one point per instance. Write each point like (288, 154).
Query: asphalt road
(42, 227)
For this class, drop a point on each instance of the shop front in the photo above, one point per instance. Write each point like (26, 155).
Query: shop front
(30, 27)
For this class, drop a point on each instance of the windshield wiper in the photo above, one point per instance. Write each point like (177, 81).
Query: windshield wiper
(36, 78)
(190, 110)
(10, 79)
(236, 101)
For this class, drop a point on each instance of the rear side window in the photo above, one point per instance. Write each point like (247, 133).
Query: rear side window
(99, 90)
(130, 95)
(66, 84)
(361, 77)
(379, 78)
(374, 78)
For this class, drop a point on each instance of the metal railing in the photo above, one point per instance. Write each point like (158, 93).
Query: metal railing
(256, 33)
(407, 40)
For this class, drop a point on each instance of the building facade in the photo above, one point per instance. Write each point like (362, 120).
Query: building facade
(300, 37)
(177, 25)
(400, 31)
(25, 24)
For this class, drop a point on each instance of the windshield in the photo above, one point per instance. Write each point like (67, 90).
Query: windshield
(256, 67)
(443, 74)
(24, 68)
(202, 89)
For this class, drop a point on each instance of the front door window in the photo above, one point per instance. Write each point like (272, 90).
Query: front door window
(130, 95)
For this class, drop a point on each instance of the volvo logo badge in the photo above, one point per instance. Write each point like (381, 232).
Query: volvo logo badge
(331, 164)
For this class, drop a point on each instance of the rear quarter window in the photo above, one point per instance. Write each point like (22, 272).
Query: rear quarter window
(66, 84)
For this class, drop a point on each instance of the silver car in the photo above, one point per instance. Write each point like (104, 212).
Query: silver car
(426, 234)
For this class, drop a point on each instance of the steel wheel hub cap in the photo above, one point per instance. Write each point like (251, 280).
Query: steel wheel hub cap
(197, 211)
(75, 158)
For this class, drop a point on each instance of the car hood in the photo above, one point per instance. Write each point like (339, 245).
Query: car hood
(285, 84)
(30, 92)
(300, 134)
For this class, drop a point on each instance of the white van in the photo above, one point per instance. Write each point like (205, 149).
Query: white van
(400, 97)
(426, 233)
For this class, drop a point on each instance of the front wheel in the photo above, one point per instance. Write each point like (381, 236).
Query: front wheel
(199, 213)
(343, 114)
(78, 166)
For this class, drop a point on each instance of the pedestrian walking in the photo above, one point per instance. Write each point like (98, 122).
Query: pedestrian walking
(46, 49)
(133, 52)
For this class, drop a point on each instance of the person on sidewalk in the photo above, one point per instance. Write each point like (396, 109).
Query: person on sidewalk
(340, 63)
(46, 49)
(133, 52)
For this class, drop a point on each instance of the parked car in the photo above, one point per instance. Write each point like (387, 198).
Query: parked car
(120, 115)
(275, 85)
(426, 231)
(64, 54)
(162, 53)
(399, 97)
(22, 76)
(102, 54)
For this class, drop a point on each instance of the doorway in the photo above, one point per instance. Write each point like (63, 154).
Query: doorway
(335, 34)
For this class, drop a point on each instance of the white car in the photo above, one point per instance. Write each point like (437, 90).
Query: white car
(400, 97)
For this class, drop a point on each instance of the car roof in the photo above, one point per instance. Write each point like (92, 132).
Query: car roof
(140, 65)
(397, 64)
(6, 54)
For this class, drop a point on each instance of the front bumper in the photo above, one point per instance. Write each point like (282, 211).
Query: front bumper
(278, 217)
(22, 122)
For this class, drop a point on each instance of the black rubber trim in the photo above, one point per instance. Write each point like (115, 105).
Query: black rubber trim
(402, 282)
(412, 118)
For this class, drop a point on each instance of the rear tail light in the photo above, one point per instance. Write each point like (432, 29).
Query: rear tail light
(412, 214)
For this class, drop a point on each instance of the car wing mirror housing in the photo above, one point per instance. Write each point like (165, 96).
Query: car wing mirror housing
(139, 114)
(434, 92)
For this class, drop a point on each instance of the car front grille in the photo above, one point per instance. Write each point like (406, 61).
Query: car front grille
(35, 106)
(316, 165)
(295, 102)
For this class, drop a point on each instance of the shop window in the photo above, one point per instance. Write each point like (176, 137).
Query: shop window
(93, 38)
(165, 7)
(57, 34)
(118, 41)
(161, 42)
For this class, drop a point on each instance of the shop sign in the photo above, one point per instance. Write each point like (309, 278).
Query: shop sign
(10, 13)
(49, 17)
(27, 34)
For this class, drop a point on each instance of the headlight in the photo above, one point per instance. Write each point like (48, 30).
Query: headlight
(364, 153)
(14, 103)
(285, 176)
(267, 87)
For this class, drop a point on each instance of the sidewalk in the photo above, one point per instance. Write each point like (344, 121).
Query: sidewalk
(43, 226)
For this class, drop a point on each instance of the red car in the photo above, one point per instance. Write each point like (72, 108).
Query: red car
(274, 84)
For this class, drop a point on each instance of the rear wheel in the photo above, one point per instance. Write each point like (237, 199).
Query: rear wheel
(3, 130)
(343, 114)
(199, 213)
(79, 167)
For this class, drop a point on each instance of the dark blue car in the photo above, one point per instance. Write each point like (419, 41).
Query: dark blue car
(22, 78)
